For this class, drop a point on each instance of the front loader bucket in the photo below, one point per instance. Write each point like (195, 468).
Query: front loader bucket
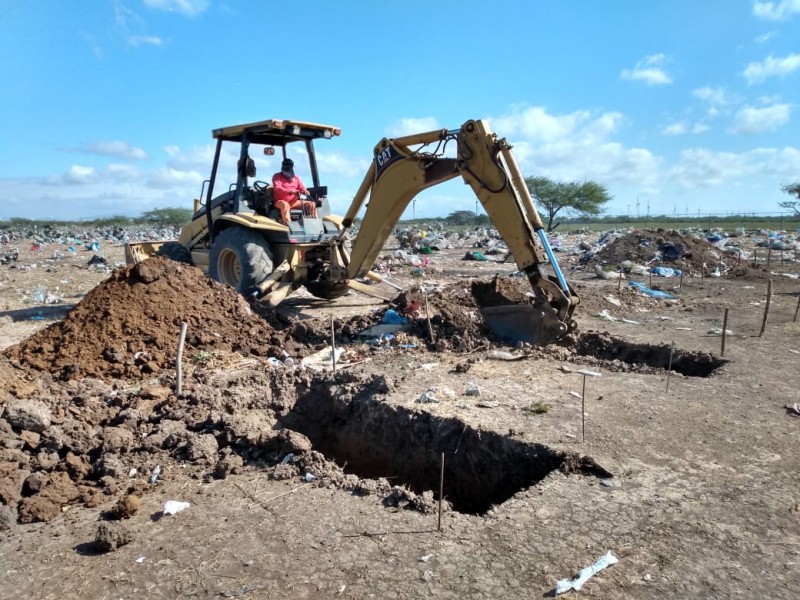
(136, 252)
(537, 325)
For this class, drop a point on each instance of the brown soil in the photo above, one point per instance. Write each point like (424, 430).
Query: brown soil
(339, 473)
(640, 245)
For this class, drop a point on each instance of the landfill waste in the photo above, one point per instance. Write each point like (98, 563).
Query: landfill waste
(154, 475)
(652, 293)
(577, 582)
(503, 355)
(172, 507)
(793, 409)
(428, 397)
(392, 317)
(475, 255)
(665, 272)
(606, 316)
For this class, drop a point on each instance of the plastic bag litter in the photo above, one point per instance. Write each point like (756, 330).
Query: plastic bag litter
(671, 252)
(576, 583)
(665, 272)
(647, 291)
(606, 316)
(392, 317)
(172, 507)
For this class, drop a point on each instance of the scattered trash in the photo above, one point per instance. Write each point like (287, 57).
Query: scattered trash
(428, 366)
(718, 331)
(172, 507)
(472, 390)
(309, 477)
(502, 355)
(613, 300)
(428, 397)
(487, 404)
(425, 558)
(287, 458)
(665, 272)
(588, 373)
(479, 256)
(576, 583)
(652, 293)
(154, 475)
(132, 473)
(140, 560)
(793, 409)
(575, 394)
(606, 316)
(607, 483)
(392, 317)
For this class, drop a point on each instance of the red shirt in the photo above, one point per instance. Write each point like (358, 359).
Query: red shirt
(286, 189)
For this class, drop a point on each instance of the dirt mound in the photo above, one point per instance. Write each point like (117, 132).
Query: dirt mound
(128, 326)
(642, 246)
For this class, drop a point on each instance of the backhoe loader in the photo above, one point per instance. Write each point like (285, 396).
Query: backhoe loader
(238, 239)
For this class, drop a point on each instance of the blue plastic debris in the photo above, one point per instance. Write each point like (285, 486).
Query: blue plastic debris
(392, 317)
(665, 272)
(648, 292)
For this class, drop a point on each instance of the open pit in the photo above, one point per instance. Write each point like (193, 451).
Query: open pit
(373, 439)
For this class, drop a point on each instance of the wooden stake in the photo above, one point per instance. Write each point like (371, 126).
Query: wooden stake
(651, 278)
(428, 317)
(619, 282)
(766, 308)
(583, 411)
(179, 361)
(755, 258)
(333, 346)
(669, 368)
(724, 332)
(739, 258)
(796, 309)
(441, 492)
(680, 283)
(769, 255)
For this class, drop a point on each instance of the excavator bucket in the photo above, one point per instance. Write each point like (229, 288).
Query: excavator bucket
(136, 252)
(536, 325)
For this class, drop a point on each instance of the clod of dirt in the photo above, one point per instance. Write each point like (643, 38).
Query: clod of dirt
(8, 517)
(111, 536)
(125, 508)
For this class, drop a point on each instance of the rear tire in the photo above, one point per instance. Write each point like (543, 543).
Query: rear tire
(240, 258)
(176, 251)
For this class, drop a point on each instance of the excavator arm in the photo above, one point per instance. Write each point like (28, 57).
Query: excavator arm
(402, 168)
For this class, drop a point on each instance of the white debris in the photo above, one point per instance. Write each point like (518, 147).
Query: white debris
(575, 394)
(576, 583)
(613, 300)
(428, 397)
(588, 373)
(606, 316)
(172, 507)
(472, 390)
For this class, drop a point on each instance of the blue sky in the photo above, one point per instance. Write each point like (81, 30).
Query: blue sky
(682, 106)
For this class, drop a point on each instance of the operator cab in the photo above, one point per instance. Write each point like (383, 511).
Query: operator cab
(248, 187)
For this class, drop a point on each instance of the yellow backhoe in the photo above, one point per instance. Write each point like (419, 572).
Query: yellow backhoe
(237, 236)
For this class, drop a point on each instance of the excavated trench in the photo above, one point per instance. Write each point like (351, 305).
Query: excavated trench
(609, 348)
(373, 439)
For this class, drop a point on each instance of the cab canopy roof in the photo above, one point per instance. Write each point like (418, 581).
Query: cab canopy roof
(275, 132)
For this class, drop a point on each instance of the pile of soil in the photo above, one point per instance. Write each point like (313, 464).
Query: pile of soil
(639, 247)
(128, 326)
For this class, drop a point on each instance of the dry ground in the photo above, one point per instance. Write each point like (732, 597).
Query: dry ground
(704, 501)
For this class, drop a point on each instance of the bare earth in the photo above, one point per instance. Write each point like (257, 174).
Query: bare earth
(308, 484)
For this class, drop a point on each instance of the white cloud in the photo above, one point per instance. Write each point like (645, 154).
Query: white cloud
(649, 70)
(574, 146)
(776, 11)
(412, 125)
(339, 164)
(74, 175)
(712, 95)
(114, 148)
(190, 8)
(750, 120)
(702, 168)
(167, 178)
(765, 37)
(699, 128)
(123, 173)
(145, 40)
(757, 72)
(674, 129)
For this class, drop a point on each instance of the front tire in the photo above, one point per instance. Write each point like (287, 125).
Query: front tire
(175, 251)
(240, 258)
